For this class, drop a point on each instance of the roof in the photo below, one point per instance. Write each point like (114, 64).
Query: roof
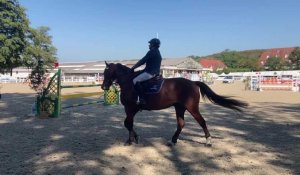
(172, 61)
(99, 66)
(282, 53)
(181, 63)
(212, 63)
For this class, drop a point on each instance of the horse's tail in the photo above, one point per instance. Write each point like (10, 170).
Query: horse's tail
(224, 101)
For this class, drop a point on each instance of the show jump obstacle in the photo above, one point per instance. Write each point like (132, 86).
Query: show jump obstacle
(49, 103)
(264, 83)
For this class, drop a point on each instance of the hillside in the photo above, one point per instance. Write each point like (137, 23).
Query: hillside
(252, 54)
(237, 60)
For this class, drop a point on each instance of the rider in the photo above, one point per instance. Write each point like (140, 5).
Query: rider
(153, 62)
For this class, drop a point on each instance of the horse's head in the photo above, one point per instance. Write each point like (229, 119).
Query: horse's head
(109, 75)
(114, 72)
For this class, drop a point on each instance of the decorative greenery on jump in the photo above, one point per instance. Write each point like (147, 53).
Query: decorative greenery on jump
(49, 102)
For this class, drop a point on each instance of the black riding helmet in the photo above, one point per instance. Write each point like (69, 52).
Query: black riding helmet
(154, 42)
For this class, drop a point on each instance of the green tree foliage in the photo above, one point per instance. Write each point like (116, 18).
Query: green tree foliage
(274, 63)
(230, 58)
(238, 61)
(40, 56)
(40, 48)
(196, 58)
(248, 64)
(21, 45)
(14, 26)
(295, 59)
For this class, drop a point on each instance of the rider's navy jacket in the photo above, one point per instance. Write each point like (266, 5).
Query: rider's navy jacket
(152, 60)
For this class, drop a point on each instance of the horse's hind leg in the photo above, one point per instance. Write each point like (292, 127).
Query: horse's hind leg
(194, 110)
(180, 109)
(133, 137)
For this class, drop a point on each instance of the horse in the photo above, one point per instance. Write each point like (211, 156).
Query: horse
(181, 93)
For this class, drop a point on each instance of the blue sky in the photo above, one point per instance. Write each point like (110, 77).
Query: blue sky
(90, 30)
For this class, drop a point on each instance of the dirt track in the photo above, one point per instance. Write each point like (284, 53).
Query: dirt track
(89, 139)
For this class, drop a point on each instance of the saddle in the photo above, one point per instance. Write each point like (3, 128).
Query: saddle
(153, 85)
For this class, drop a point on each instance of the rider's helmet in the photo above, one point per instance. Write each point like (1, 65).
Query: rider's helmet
(154, 42)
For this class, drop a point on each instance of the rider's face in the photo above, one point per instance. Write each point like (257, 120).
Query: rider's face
(150, 46)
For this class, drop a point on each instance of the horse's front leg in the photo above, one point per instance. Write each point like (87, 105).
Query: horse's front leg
(133, 137)
(180, 110)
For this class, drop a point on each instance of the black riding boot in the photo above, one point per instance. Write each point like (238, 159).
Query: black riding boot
(139, 88)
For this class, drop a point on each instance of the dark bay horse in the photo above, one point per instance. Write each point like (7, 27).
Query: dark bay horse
(181, 93)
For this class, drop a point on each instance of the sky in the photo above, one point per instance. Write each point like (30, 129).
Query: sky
(94, 30)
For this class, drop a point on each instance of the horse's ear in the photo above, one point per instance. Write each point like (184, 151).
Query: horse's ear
(106, 63)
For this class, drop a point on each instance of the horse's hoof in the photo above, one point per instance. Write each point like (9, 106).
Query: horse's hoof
(170, 143)
(208, 145)
(137, 138)
(128, 143)
(208, 142)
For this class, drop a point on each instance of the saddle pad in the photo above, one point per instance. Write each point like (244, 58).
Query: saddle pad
(152, 87)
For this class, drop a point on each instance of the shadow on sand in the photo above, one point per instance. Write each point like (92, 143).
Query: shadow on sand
(89, 140)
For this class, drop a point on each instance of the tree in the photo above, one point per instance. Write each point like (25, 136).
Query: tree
(40, 55)
(248, 64)
(40, 48)
(274, 63)
(14, 26)
(230, 58)
(196, 58)
(295, 59)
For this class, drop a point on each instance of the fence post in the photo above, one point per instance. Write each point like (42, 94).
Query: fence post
(38, 105)
(57, 102)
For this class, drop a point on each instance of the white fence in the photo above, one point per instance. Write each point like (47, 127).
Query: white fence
(79, 79)
(13, 79)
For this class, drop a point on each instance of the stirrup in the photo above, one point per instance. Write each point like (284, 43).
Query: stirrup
(140, 101)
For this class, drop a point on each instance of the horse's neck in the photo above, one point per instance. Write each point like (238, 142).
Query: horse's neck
(125, 78)
(127, 88)
(126, 83)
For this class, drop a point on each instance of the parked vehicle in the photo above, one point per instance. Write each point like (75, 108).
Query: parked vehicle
(228, 79)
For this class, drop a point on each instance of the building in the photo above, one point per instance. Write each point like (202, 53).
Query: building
(282, 53)
(93, 71)
(183, 67)
(212, 64)
(19, 75)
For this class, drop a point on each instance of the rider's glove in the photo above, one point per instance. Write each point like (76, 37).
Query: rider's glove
(132, 69)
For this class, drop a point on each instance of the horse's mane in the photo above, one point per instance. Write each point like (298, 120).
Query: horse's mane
(123, 68)
(126, 70)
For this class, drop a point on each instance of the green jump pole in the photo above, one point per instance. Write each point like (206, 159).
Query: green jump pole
(58, 100)
(71, 96)
(82, 104)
